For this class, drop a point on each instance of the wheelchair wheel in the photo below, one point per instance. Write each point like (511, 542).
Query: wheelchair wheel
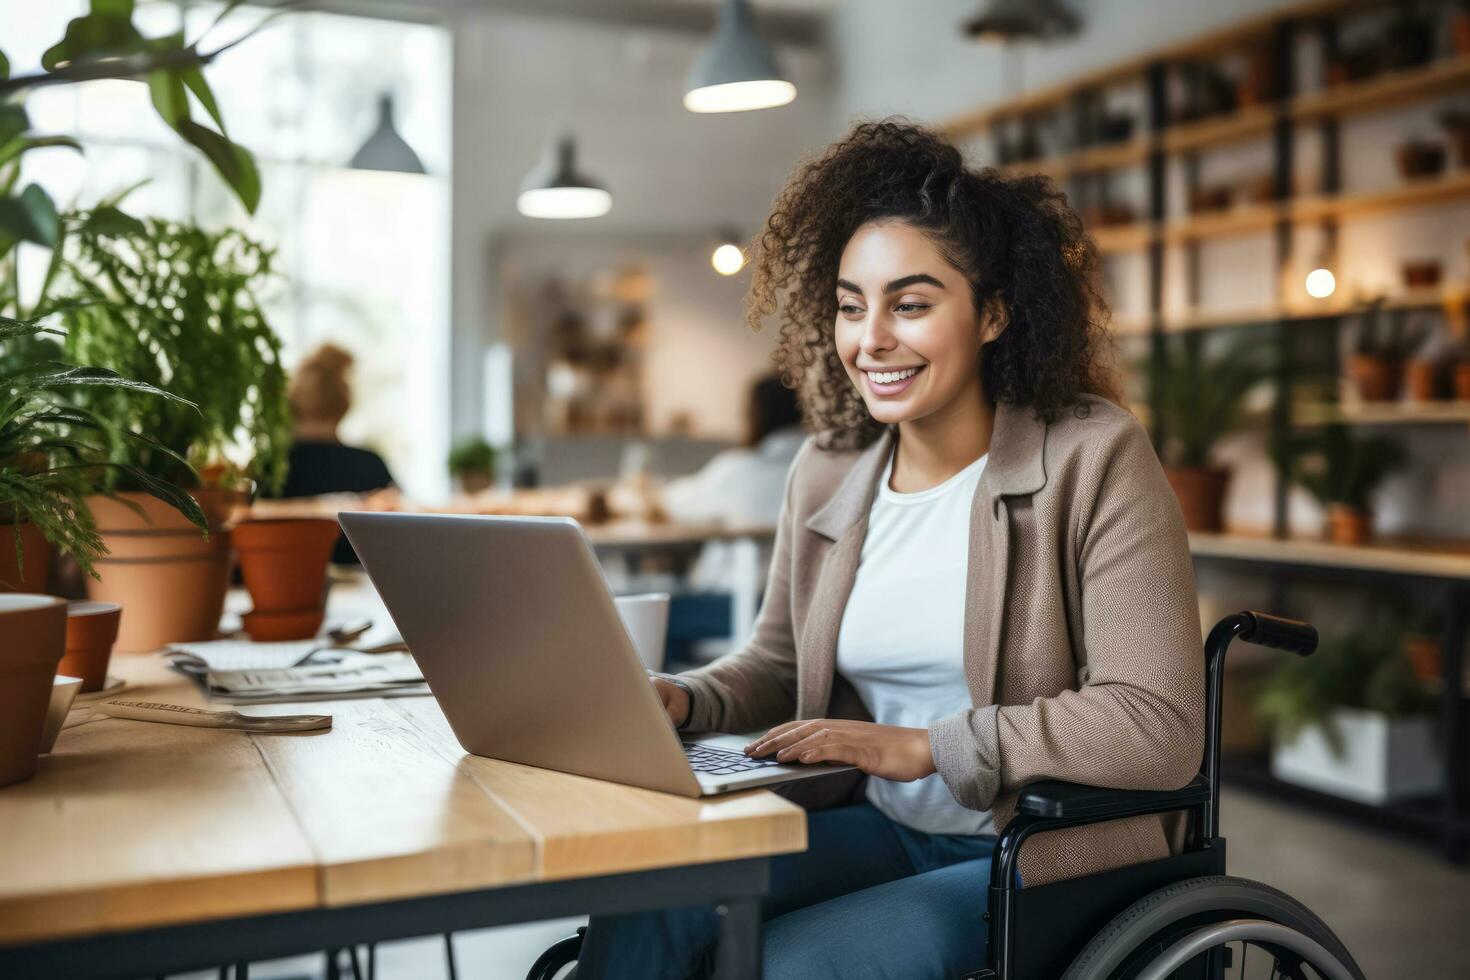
(1267, 933)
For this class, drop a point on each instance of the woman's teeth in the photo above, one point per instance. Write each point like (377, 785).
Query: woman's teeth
(889, 377)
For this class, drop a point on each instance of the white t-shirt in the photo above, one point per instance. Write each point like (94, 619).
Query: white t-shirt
(901, 645)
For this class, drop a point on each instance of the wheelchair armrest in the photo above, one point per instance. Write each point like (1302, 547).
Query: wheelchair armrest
(1075, 803)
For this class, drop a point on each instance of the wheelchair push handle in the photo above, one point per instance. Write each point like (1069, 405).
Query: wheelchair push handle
(1266, 630)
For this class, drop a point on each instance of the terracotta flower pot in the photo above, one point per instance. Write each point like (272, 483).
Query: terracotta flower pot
(284, 561)
(35, 552)
(1377, 379)
(476, 481)
(32, 635)
(1460, 32)
(1424, 653)
(1421, 377)
(169, 577)
(91, 630)
(1348, 525)
(273, 627)
(1201, 493)
(1462, 382)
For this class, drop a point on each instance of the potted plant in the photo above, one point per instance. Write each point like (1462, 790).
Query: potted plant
(1342, 471)
(472, 463)
(1385, 339)
(1352, 719)
(1200, 399)
(175, 306)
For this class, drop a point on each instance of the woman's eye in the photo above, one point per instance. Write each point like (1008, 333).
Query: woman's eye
(911, 307)
(847, 309)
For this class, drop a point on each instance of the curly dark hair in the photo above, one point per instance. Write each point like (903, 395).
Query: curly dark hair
(1014, 238)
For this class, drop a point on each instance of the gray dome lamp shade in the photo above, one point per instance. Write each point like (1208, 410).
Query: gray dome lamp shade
(556, 190)
(385, 149)
(1023, 20)
(737, 71)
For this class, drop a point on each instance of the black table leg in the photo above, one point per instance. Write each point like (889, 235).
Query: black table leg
(739, 951)
(1456, 749)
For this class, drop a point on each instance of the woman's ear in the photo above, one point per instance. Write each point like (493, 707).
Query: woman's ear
(994, 318)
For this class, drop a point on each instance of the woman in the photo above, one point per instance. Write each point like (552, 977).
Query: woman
(979, 544)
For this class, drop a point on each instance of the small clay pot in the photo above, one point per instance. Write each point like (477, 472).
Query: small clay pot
(1460, 32)
(1424, 652)
(1421, 273)
(284, 561)
(1348, 525)
(32, 636)
(35, 551)
(1206, 199)
(273, 627)
(91, 630)
(1377, 379)
(1461, 375)
(1421, 378)
(1419, 159)
(1201, 493)
(476, 481)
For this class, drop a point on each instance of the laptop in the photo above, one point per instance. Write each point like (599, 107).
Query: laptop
(513, 625)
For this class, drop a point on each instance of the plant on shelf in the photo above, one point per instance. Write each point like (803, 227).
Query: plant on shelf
(1336, 714)
(175, 306)
(49, 466)
(1385, 340)
(1200, 398)
(1342, 471)
(1455, 121)
(472, 463)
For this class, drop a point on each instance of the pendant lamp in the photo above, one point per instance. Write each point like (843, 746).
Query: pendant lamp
(555, 189)
(385, 149)
(737, 72)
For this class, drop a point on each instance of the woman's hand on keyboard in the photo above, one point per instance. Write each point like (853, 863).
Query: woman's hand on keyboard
(886, 751)
(675, 699)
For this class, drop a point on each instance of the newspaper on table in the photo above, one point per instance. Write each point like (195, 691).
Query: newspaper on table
(240, 672)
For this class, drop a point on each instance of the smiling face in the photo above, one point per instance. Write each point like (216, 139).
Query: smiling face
(907, 329)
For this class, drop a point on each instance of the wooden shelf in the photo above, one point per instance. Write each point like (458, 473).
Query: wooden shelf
(1242, 220)
(1385, 91)
(1436, 298)
(1107, 156)
(1452, 186)
(1219, 130)
(1383, 413)
(1122, 238)
(1436, 559)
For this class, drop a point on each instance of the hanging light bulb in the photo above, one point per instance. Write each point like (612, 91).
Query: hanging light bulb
(728, 257)
(1321, 283)
(556, 190)
(737, 72)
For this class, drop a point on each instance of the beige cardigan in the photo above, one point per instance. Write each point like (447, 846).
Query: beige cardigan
(1082, 638)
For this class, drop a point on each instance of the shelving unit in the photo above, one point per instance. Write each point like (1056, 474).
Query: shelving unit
(1434, 571)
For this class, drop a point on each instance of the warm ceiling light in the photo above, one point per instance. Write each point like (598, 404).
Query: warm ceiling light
(1321, 283)
(737, 72)
(556, 190)
(728, 259)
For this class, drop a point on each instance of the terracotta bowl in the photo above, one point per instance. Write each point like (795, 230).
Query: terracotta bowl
(271, 627)
(91, 630)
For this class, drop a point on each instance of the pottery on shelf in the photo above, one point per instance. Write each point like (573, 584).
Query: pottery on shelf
(91, 630)
(32, 635)
(1376, 378)
(1421, 273)
(1462, 382)
(1201, 493)
(1418, 158)
(1348, 525)
(1421, 378)
(161, 569)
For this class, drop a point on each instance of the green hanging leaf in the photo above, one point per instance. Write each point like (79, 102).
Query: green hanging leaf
(9, 151)
(31, 217)
(10, 328)
(108, 220)
(4, 66)
(13, 122)
(104, 33)
(113, 8)
(193, 77)
(169, 97)
(233, 162)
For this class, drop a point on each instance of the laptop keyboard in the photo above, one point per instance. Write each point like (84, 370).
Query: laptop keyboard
(722, 762)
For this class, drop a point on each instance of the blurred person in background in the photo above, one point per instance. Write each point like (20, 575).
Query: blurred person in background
(743, 487)
(321, 396)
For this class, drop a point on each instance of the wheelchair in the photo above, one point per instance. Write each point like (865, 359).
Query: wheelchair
(1181, 917)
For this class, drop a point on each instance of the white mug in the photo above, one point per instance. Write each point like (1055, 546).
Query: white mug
(647, 620)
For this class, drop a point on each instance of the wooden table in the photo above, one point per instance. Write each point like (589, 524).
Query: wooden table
(141, 849)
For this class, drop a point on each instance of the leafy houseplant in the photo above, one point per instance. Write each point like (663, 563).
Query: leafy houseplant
(1342, 471)
(48, 467)
(1385, 339)
(1337, 713)
(472, 462)
(1200, 399)
(175, 306)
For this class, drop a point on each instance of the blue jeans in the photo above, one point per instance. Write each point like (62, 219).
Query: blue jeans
(869, 898)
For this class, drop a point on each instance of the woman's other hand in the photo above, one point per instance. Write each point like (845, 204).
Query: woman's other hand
(885, 751)
(675, 699)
